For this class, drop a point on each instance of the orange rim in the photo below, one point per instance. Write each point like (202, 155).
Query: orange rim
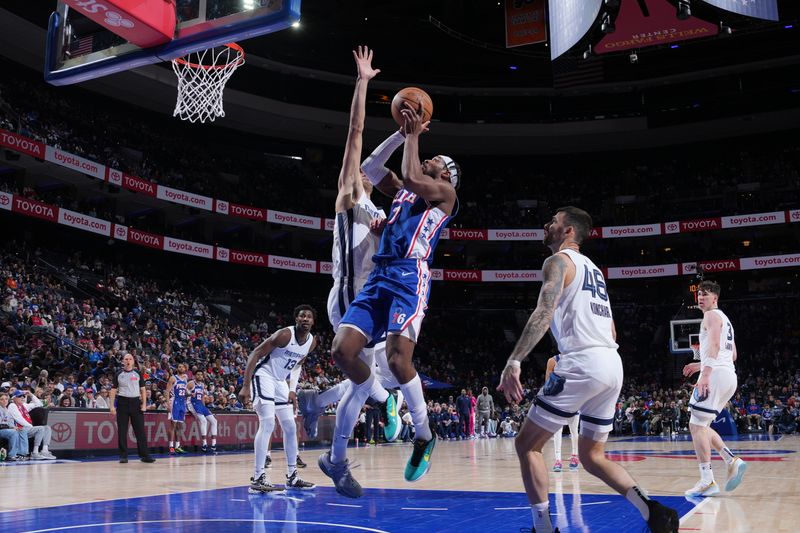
(232, 46)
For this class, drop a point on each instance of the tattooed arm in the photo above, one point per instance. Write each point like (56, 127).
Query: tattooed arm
(554, 271)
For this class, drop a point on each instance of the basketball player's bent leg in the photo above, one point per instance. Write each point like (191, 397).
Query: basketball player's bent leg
(722, 385)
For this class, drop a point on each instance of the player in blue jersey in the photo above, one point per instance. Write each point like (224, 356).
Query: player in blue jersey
(197, 407)
(176, 400)
(394, 299)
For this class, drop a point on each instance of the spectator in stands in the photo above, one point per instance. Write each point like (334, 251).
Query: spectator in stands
(102, 399)
(20, 410)
(767, 418)
(463, 406)
(16, 436)
(753, 415)
(786, 422)
(485, 408)
(507, 428)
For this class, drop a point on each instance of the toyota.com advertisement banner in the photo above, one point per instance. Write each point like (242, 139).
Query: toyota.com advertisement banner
(97, 430)
(18, 143)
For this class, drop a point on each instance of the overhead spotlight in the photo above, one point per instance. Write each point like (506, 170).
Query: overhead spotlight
(588, 53)
(684, 9)
(608, 24)
(611, 4)
(724, 28)
(634, 58)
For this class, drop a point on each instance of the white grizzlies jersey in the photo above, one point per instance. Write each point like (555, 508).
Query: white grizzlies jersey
(280, 361)
(725, 356)
(354, 245)
(582, 319)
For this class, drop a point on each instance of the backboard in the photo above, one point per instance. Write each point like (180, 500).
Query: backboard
(78, 49)
(682, 334)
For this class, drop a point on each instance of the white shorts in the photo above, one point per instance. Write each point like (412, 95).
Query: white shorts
(721, 388)
(587, 383)
(266, 389)
(339, 300)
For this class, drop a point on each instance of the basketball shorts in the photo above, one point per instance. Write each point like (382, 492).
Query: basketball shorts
(721, 388)
(341, 296)
(198, 408)
(178, 412)
(586, 383)
(393, 301)
(266, 389)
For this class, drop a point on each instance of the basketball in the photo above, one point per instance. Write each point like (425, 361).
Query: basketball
(412, 95)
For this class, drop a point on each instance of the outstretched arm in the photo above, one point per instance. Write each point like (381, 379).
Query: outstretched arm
(554, 271)
(350, 187)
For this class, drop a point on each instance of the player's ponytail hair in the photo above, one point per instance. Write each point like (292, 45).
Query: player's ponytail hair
(580, 221)
(709, 286)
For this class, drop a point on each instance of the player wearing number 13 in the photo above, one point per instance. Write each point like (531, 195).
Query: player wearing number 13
(270, 365)
(587, 379)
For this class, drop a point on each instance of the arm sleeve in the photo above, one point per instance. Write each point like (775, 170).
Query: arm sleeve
(115, 381)
(34, 404)
(294, 377)
(374, 166)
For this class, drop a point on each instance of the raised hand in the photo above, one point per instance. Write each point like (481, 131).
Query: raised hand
(413, 124)
(363, 57)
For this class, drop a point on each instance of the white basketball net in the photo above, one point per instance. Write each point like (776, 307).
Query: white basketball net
(201, 81)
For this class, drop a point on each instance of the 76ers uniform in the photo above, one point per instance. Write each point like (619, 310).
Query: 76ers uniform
(197, 406)
(269, 380)
(395, 297)
(722, 382)
(354, 244)
(588, 375)
(178, 411)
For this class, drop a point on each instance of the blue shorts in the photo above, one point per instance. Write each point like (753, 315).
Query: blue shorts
(178, 412)
(200, 408)
(393, 301)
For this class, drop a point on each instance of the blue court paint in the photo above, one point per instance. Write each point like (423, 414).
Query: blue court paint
(391, 510)
(755, 437)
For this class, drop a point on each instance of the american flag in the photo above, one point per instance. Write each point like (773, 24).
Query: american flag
(81, 46)
(569, 71)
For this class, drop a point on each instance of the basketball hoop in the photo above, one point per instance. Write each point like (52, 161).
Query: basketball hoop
(696, 351)
(201, 81)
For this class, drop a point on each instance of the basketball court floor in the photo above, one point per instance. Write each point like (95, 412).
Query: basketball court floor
(472, 486)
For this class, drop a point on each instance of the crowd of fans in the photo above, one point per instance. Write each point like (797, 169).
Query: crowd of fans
(741, 176)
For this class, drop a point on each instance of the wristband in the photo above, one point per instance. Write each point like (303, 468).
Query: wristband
(513, 363)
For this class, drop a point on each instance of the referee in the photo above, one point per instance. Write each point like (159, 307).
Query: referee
(131, 404)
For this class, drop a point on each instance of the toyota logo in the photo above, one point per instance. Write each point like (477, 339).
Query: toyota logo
(223, 206)
(120, 231)
(4, 199)
(672, 227)
(795, 215)
(115, 19)
(222, 254)
(61, 431)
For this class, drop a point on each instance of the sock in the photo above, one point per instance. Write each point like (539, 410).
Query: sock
(177, 444)
(416, 405)
(727, 455)
(346, 417)
(290, 471)
(45, 449)
(706, 474)
(573, 434)
(205, 442)
(171, 444)
(333, 394)
(557, 443)
(639, 499)
(213, 441)
(541, 517)
(378, 393)
(269, 454)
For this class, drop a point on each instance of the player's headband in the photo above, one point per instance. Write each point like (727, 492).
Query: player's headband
(450, 165)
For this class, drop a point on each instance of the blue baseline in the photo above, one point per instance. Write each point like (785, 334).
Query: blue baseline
(758, 437)
(393, 510)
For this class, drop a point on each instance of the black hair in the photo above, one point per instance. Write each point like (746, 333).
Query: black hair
(579, 219)
(305, 307)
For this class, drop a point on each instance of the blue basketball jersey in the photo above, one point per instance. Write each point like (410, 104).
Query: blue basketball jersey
(412, 229)
(179, 393)
(198, 393)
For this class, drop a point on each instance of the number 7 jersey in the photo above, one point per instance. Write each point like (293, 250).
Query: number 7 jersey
(278, 364)
(582, 319)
